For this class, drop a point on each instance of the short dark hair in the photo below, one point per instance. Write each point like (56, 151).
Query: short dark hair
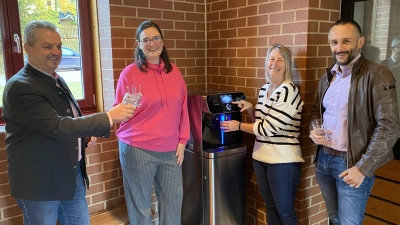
(140, 58)
(349, 21)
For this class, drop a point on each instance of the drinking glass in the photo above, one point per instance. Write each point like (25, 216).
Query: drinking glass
(131, 96)
(224, 117)
(319, 127)
(138, 96)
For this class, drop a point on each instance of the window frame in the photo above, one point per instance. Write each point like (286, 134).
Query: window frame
(86, 48)
(13, 61)
(347, 8)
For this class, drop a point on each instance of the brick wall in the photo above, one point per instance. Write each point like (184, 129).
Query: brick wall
(183, 26)
(238, 35)
(382, 28)
(227, 40)
(9, 211)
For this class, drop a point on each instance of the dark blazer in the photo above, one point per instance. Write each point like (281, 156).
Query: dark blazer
(42, 136)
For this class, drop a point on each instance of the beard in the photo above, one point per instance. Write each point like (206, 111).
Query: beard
(352, 54)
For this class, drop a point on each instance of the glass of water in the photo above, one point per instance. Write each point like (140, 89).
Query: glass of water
(132, 96)
(319, 127)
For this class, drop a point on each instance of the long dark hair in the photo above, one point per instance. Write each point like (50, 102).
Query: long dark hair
(140, 58)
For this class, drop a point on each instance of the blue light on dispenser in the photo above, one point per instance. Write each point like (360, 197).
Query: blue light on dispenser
(223, 117)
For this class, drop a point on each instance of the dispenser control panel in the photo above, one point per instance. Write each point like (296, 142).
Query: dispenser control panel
(222, 102)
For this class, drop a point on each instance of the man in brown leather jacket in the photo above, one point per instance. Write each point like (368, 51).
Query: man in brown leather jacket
(356, 98)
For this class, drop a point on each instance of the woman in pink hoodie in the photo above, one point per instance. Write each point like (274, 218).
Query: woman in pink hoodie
(152, 143)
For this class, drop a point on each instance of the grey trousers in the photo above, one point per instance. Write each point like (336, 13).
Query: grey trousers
(141, 169)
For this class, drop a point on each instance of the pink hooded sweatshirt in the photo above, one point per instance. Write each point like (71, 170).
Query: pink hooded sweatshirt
(161, 121)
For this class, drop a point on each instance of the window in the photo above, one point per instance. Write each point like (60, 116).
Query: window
(73, 22)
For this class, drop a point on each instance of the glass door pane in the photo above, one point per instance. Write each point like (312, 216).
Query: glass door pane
(380, 22)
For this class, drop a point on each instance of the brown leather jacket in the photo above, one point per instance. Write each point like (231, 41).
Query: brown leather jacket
(372, 115)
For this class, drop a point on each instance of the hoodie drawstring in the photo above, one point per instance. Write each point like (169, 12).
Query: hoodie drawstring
(159, 90)
(165, 91)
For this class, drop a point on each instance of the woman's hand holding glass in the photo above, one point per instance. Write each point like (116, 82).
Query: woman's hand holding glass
(228, 126)
(319, 134)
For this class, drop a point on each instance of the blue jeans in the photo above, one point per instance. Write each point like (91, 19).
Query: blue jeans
(278, 185)
(345, 205)
(70, 212)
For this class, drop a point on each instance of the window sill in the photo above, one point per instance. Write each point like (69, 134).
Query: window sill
(84, 113)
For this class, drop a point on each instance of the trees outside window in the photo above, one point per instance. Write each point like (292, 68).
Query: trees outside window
(73, 21)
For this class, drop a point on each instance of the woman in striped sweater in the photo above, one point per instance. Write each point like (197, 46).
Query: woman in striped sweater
(276, 124)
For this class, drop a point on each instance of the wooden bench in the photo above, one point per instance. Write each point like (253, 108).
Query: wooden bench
(117, 216)
(383, 205)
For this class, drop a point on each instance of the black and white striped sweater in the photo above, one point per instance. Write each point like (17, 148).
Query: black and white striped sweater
(277, 125)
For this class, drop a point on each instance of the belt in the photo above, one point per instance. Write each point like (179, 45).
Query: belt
(334, 152)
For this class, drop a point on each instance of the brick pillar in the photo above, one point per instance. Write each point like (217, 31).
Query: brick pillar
(183, 26)
(238, 35)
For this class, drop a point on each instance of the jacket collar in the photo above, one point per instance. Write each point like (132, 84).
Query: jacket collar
(39, 74)
(356, 67)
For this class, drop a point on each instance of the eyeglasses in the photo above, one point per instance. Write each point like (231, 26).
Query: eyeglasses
(155, 39)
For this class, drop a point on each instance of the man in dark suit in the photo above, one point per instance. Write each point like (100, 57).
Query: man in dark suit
(394, 59)
(46, 132)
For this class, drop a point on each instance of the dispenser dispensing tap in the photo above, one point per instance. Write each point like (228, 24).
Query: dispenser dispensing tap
(222, 118)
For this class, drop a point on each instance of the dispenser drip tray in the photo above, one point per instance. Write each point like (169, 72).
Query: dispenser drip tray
(224, 151)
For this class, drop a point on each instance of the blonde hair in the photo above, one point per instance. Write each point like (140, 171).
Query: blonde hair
(287, 56)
